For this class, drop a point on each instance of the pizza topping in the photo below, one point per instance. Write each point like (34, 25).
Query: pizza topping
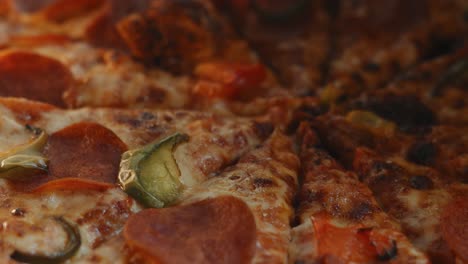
(24, 160)
(150, 174)
(72, 246)
(25, 110)
(228, 80)
(279, 10)
(217, 230)
(72, 184)
(38, 40)
(353, 243)
(32, 76)
(85, 150)
(385, 247)
(454, 227)
(175, 35)
(371, 121)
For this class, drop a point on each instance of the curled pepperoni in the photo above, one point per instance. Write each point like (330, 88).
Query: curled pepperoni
(85, 150)
(26, 110)
(217, 230)
(454, 226)
(72, 184)
(32, 76)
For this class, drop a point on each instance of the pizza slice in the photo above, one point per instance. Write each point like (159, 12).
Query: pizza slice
(338, 218)
(386, 161)
(240, 216)
(59, 173)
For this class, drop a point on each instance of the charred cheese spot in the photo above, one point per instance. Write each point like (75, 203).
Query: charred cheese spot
(423, 153)
(218, 230)
(85, 150)
(263, 183)
(362, 210)
(263, 129)
(421, 182)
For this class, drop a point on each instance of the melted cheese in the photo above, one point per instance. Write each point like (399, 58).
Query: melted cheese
(108, 78)
(214, 144)
(265, 180)
(99, 216)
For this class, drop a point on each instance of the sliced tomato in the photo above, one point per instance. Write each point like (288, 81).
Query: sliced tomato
(73, 184)
(228, 80)
(352, 243)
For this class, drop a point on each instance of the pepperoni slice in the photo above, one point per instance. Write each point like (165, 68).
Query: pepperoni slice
(26, 110)
(73, 184)
(30, 75)
(38, 40)
(454, 225)
(4, 7)
(216, 230)
(85, 150)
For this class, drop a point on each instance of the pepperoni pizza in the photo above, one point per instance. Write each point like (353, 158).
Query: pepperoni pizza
(233, 131)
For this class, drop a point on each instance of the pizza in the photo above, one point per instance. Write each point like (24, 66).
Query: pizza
(233, 131)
